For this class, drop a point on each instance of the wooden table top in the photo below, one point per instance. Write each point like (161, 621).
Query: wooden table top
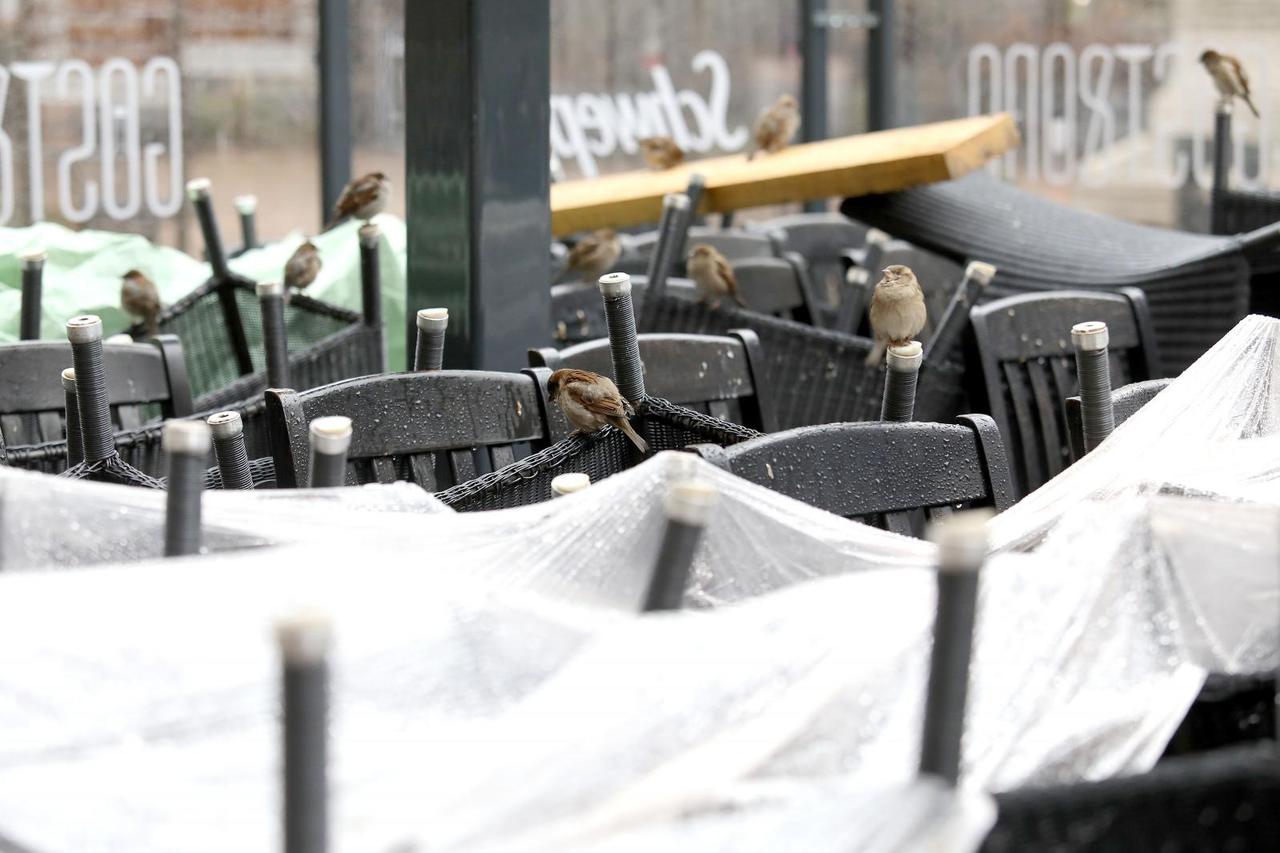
(878, 162)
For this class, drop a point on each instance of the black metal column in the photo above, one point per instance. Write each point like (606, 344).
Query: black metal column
(813, 77)
(477, 120)
(334, 59)
(881, 73)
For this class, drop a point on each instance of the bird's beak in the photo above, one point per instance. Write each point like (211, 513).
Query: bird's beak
(884, 271)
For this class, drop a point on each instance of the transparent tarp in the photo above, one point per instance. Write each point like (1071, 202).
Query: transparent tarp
(493, 688)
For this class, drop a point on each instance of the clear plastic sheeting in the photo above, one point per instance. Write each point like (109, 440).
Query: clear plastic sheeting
(494, 689)
(55, 523)
(1212, 431)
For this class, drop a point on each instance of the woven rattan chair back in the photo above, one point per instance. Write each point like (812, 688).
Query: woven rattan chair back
(892, 475)
(144, 382)
(1027, 368)
(436, 429)
(712, 374)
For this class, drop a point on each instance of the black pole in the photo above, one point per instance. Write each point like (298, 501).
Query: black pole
(75, 444)
(247, 208)
(85, 334)
(662, 258)
(275, 341)
(428, 354)
(946, 335)
(628, 371)
(813, 77)
(1221, 167)
(186, 443)
(32, 294)
(330, 440)
(694, 191)
(370, 275)
(1093, 367)
(881, 70)
(689, 506)
(200, 192)
(334, 59)
(304, 642)
(902, 370)
(230, 451)
(478, 217)
(962, 548)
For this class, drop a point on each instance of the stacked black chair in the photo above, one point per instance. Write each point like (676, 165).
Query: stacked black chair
(1125, 402)
(779, 287)
(1228, 799)
(577, 314)
(812, 375)
(735, 244)
(664, 425)
(437, 429)
(891, 475)
(713, 375)
(145, 382)
(219, 326)
(1198, 287)
(1235, 211)
(1027, 368)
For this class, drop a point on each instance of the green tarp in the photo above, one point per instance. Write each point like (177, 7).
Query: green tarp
(82, 274)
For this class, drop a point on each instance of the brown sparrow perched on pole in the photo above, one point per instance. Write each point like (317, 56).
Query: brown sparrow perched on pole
(303, 266)
(712, 274)
(776, 126)
(364, 198)
(897, 310)
(593, 255)
(1228, 75)
(139, 298)
(660, 152)
(591, 402)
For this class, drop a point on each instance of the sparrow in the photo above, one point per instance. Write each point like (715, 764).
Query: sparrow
(591, 402)
(139, 298)
(660, 152)
(712, 274)
(776, 126)
(363, 198)
(1228, 75)
(897, 310)
(303, 266)
(593, 255)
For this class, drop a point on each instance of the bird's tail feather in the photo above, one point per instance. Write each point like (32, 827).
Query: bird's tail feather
(751, 155)
(625, 425)
(334, 223)
(1249, 100)
(737, 297)
(877, 354)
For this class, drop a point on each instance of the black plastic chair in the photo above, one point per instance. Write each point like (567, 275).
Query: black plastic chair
(145, 382)
(779, 287)
(1228, 799)
(711, 374)
(735, 244)
(1028, 370)
(892, 475)
(1198, 287)
(577, 314)
(436, 429)
(1125, 402)
(829, 243)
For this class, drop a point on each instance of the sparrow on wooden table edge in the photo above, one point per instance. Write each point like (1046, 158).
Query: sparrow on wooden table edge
(775, 127)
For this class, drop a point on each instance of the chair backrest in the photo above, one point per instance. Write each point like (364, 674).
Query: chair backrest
(891, 475)
(144, 381)
(776, 286)
(712, 374)
(1028, 369)
(735, 244)
(828, 242)
(577, 311)
(1125, 403)
(436, 429)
